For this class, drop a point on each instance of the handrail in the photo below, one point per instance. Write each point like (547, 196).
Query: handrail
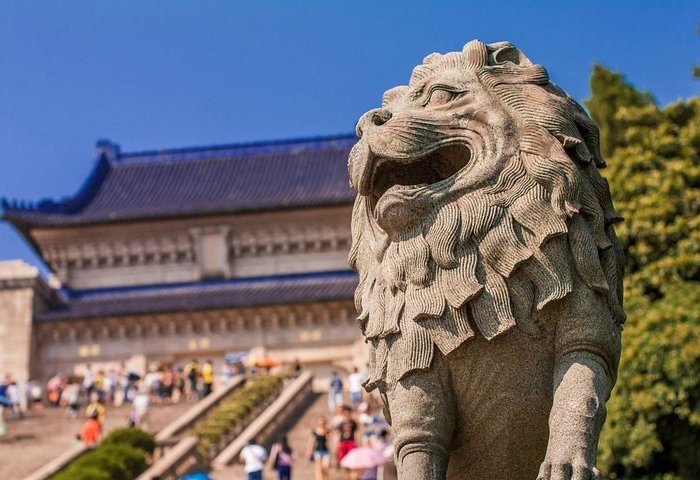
(268, 421)
(175, 462)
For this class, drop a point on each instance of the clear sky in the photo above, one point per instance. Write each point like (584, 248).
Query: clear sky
(160, 74)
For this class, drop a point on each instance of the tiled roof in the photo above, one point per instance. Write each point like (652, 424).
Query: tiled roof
(283, 289)
(200, 181)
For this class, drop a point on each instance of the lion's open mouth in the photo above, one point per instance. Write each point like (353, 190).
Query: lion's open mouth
(433, 167)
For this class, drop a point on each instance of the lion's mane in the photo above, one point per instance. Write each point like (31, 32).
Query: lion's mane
(476, 262)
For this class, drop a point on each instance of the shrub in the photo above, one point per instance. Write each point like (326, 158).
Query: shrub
(131, 436)
(134, 459)
(121, 456)
(87, 473)
(115, 467)
(233, 410)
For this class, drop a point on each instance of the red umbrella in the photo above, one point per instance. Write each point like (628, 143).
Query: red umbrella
(267, 362)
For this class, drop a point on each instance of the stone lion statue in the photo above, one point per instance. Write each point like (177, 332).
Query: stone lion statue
(490, 285)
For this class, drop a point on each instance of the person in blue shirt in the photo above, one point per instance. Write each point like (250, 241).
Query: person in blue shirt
(335, 393)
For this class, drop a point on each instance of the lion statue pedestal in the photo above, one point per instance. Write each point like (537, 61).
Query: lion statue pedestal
(490, 276)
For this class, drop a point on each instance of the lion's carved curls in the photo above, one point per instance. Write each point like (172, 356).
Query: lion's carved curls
(456, 259)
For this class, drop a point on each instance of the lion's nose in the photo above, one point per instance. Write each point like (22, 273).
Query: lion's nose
(380, 117)
(377, 117)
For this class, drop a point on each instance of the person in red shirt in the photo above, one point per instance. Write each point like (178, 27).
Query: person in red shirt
(346, 433)
(90, 431)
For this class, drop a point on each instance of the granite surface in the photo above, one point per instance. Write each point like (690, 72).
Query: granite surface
(490, 277)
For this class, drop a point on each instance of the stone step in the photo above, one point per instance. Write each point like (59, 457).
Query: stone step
(298, 436)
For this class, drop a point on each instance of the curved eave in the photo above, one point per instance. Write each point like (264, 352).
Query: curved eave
(201, 296)
(114, 193)
(23, 219)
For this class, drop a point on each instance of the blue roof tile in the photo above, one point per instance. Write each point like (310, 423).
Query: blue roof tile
(200, 181)
(249, 292)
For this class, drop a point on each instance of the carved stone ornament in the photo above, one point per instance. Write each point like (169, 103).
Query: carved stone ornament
(490, 276)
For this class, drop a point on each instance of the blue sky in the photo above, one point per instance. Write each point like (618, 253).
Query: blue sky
(157, 74)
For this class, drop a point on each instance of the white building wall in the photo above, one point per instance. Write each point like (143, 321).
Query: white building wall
(177, 251)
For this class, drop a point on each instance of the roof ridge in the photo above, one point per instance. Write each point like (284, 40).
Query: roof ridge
(291, 173)
(254, 144)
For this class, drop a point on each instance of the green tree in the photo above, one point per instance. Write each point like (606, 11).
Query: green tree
(653, 426)
(610, 91)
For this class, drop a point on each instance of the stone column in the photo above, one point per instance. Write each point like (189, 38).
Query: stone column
(19, 283)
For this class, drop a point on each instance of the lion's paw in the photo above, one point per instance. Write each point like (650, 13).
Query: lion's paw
(567, 471)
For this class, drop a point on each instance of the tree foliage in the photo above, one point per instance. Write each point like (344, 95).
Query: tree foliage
(653, 426)
(610, 93)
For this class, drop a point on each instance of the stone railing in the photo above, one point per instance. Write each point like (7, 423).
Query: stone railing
(269, 421)
(176, 461)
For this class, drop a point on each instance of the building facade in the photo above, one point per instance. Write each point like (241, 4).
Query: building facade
(167, 255)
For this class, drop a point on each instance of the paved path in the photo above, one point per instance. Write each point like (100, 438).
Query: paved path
(298, 436)
(43, 435)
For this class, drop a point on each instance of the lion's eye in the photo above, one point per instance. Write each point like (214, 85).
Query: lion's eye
(440, 96)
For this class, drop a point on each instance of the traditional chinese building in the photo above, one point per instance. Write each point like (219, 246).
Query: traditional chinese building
(171, 254)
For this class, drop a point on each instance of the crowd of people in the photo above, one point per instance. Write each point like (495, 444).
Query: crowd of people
(353, 428)
(341, 440)
(160, 383)
(351, 438)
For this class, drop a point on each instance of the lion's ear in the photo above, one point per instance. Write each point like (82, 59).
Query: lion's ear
(501, 52)
(476, 54)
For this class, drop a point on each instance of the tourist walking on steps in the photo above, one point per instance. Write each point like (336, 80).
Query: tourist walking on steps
(296, 368)
(138, 416)
(192, 372)
(317, 450)
(347, 433)
(281, 456)
(335, 392)
(36, 395)
(253, 457)
(3, 404)
(179, 385)
(88, 381)
(12, 395)
(91, 430)
(207, 378)
(96, 409)
(71, 398)
(355, 380)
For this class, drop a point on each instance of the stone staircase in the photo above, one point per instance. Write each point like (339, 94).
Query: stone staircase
(40, 444)
(298, 435)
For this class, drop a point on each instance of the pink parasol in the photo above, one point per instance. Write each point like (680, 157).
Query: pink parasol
(362, 458)
(54, 383)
